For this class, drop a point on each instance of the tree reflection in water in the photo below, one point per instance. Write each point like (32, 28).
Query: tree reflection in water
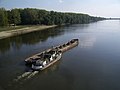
(28, 39)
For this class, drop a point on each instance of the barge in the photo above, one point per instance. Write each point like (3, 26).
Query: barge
(48, 57)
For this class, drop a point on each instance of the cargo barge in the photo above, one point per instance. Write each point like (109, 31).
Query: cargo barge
(48, 57)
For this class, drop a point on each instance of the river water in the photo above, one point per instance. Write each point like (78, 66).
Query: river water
(93, 65)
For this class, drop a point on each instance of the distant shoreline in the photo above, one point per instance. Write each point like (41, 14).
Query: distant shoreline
(27, 29)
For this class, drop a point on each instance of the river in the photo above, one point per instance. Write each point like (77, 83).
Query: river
(93, 65)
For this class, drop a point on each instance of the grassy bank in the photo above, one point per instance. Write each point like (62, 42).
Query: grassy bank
(13, 31)
(11, 28)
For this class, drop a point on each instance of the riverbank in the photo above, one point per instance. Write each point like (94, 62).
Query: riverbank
(23, 30)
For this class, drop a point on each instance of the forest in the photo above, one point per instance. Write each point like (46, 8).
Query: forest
(33, 16)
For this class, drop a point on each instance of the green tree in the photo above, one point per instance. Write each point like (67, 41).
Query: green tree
(32, 16)
(15, 16)
(3, 17)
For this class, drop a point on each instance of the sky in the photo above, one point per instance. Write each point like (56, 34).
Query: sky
(102, 8)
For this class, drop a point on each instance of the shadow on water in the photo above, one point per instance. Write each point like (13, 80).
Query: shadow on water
(29, 39)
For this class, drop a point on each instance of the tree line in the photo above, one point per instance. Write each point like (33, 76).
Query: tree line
(32, 16)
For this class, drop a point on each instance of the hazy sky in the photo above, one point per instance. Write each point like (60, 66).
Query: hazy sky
(105, 8)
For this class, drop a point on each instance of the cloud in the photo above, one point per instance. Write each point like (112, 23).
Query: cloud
(60, 1)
